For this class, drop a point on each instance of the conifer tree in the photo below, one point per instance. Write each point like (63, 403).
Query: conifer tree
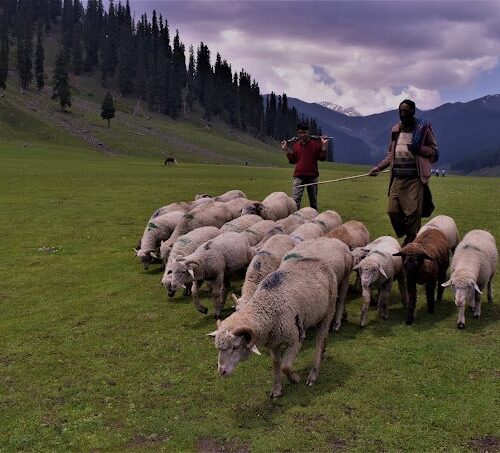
(108, 108)
(190, 80)
(55, 9)
(178, 78)
(25, 55)
(76, 51)
(60, 80)
(4, 56)
(39, 60)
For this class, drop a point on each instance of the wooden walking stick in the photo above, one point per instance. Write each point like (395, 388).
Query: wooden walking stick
(340, 179)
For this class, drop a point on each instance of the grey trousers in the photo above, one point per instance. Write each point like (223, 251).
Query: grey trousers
(312, 191)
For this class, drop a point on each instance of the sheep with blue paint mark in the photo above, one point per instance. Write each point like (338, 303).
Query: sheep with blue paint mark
(265, 261)
(301, 294)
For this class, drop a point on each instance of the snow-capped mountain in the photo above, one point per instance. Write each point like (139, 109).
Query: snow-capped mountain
(349, 111)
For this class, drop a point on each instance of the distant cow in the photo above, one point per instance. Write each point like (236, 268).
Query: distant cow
(170, 161)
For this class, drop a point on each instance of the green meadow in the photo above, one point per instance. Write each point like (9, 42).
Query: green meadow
(95, 357)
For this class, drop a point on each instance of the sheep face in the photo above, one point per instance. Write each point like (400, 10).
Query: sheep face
(181, 275)
(254, 208)
(412, 262)
(147, 258)
(371, 273)
(166, 281)
(233, 347)
(464, 291)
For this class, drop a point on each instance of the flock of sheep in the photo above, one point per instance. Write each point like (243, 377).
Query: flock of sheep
(298, 264)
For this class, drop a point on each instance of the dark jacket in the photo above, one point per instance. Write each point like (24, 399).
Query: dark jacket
(427, 154)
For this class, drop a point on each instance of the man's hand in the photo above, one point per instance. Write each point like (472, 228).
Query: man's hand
(284, 145)
(374, 171)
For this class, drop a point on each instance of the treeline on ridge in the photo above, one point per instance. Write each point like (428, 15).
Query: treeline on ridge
(141, 60)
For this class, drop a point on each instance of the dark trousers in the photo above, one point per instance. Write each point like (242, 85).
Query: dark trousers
(312, 191)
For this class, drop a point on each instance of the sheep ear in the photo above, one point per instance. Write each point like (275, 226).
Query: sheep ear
(255, 350)
(212, 334)
(135, 251)
(445, 284)
(356, 267)
(191, 272)
(399, 254)
(235, 299)
(153, 255)
(381, 269)
(477, 288)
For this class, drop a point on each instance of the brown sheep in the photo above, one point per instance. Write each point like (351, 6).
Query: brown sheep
(425, 261)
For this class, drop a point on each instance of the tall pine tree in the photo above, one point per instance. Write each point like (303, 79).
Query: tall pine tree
(4, 52)
(39, 60)
(108, 108)
(60, 80)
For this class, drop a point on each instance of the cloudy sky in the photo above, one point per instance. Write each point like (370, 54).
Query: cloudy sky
(366, 54)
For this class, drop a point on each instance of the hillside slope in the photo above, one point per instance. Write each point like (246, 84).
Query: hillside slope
(35, 117)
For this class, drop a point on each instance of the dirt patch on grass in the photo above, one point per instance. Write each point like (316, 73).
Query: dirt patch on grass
(485, 444)
(212, 445)
(338, 444)
(141, 440)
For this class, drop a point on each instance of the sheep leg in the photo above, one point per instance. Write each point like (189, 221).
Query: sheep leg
(412, 300)
(217, 295)
(477, 306)
(383, 299)
(321, 337)
(402, 289)
(357, 282)
(339, 313)
(374, 299)
(490, 290)
(288, 358)
(367, 293)
(278, 384)
(461, 317)
(430, 288)
(196, 299)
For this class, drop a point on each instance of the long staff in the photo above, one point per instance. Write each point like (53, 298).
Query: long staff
(340, 179)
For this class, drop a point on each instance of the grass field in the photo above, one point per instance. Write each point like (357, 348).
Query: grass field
(93, 357)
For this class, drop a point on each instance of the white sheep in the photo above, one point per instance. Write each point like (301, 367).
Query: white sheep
(241, 223)
(378, 270)
(230, 195)
(275, 206)
(157, 230)
(309, 230)
(258, 230)
(340, 263)
(214, 261)
(447, 226)
(328, 219)
(301, 294)
(213, 213)
(183, 246)
(265, 261)
(172, 207)
(295, 219)
(472, 269)
(352, 233)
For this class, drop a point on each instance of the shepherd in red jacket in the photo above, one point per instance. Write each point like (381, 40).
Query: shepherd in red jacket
(305, 154)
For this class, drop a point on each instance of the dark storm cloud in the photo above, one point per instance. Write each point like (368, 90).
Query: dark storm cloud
(351, 49)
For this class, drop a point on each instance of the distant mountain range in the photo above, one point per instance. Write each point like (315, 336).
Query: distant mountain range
(461, 129)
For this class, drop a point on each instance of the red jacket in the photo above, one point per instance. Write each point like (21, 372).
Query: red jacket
(306, 157)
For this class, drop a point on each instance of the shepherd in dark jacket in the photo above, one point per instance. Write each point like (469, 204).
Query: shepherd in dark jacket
(411, 152)
(305, 154)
